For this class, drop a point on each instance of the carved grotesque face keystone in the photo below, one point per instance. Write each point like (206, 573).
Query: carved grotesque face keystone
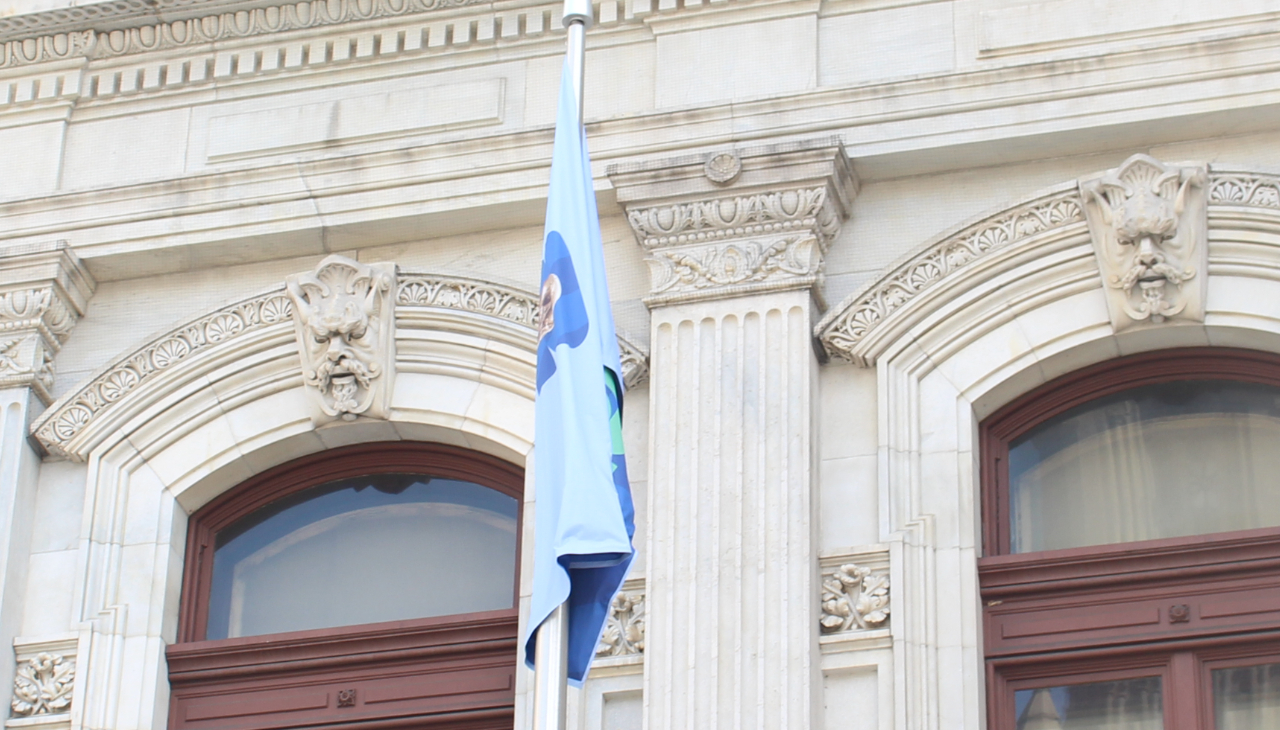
(1148, 229)
(343, 315)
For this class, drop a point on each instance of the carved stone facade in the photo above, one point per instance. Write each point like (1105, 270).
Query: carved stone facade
(43, 685)
(44, 291)
(1149, 226)
(853, 597)
(740, 222)
(959, 176)
(624, 629)
(344, 315)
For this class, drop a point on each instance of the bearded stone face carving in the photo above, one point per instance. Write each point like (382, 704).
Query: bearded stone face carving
(1150, 237)
(344, 316)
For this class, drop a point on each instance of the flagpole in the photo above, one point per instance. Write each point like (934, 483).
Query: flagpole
(551, 658)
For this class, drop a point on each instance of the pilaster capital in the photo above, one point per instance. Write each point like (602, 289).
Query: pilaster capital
(44, 291)
(735, 222)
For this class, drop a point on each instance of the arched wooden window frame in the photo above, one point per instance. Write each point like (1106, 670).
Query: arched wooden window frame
(451, 671)
(1113, 611)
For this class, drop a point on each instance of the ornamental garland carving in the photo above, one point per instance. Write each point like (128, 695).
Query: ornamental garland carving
(42, 685)
(344, 317)
(60, 424)
(730, 264)
(804, 209)
(848, 325)
(623, 633)
(1150, 236)
(854, 597)
(200, 30)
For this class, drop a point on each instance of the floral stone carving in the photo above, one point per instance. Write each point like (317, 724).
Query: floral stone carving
(344, 317)
(853, 597)
(1149, 229)
(623, 633)
(42, 685)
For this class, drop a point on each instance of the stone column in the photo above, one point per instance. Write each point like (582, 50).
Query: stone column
(735, 242)
(44, 290)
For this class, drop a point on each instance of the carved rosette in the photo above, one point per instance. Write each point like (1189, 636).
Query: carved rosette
(623, 633)
(344, 317)
(1150, 236)
(44, 290)
(42, 685)
(740, 222)
(854, 597)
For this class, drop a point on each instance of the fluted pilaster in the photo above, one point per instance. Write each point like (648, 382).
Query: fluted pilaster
(736, 243)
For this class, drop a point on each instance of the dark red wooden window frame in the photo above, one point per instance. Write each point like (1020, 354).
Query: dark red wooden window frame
(447, 672)
(1088, 614)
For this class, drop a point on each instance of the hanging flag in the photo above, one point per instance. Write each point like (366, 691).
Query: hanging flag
(584, 515)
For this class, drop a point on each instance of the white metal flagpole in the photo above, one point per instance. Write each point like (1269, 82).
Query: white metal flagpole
(551, 657)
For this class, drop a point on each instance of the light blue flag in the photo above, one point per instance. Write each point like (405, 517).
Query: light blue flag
(585, 519)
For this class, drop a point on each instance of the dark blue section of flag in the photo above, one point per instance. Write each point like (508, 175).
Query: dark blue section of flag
(570, 314)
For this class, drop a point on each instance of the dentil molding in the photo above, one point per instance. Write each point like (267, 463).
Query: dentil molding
(271, 314)
(737, 222)
(44, 291)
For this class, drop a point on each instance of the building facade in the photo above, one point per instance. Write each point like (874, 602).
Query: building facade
(950, 328)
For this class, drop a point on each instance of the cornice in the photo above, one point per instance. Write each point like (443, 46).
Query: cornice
(124, 27)
(268, 317)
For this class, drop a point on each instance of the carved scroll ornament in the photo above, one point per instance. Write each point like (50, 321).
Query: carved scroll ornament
(1149, 229)
(854, 597)
(42, 685)
(623, 633)
(344, 317)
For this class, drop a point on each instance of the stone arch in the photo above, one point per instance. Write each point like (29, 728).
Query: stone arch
(971, 320)
(166, 428)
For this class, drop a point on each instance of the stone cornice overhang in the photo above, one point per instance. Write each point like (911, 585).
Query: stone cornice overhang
(282, 207)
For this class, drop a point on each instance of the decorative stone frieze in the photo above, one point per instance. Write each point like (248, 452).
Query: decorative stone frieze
(623, 633)
(44, 290)
(1245, 189)
(1150, 234)
(59, 428)
(843, 331)
(79, 32)
(738, 222)
(344, 316)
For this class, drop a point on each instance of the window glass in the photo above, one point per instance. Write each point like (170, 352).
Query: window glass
(1127, 704)
(363, 550)
(1247, 698)
(1166, 460)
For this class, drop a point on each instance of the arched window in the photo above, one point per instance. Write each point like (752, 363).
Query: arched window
(369, 586)
(1131, 525)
